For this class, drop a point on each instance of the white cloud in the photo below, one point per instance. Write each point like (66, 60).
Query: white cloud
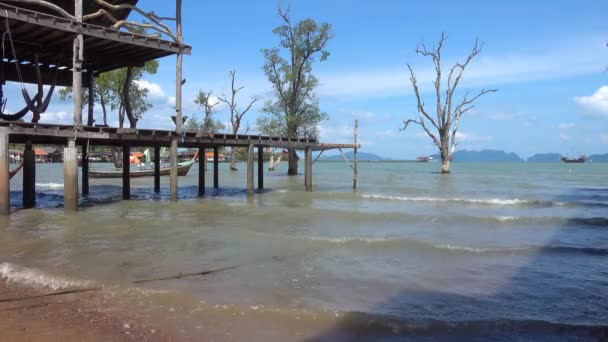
(60, 117)
(596, 104)
(565, 137)
(604, 137)
(566, 125)
(156, 92)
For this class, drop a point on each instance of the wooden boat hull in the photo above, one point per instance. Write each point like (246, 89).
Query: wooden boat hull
(182, 170)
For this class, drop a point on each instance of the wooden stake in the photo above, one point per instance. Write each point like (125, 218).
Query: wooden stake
(5, 192)
(29, 177)
(356, 161)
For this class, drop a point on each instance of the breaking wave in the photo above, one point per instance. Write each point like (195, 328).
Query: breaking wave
(49, 185)
(396, 242)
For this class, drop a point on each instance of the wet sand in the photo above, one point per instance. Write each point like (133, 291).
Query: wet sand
(73, 317)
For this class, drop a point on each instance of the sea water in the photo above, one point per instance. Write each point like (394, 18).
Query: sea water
(493, 251)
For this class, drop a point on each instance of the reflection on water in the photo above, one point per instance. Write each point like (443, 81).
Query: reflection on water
(497, 250)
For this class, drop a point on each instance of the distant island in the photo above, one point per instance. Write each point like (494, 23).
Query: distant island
(484, 156)
(545, 158)
(362, 156)
(599, 158)
(467, 156)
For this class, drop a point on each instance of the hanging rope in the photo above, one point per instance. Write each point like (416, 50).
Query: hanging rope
(36, 104)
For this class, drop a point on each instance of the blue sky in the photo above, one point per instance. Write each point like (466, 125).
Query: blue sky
(547, 58)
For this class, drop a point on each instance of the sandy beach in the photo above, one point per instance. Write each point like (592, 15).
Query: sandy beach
(28, 315)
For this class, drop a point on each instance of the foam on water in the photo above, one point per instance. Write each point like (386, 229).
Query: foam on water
(32, 277)
(489, 201)
(49, 185)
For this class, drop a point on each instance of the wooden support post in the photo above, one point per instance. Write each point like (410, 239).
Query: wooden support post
(308, 168)
(250, 152)
(260, 168)
(173, 182)
(178, 71)
(91, 111)
(216, 167)
(29, 177)
(85, 170)
(5, 192)
(356, 161)
(70, 176)
(78, 55)
(201, 172)
(157, 169)
(126, 172)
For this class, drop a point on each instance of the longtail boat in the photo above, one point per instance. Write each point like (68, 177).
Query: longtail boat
(147, 171)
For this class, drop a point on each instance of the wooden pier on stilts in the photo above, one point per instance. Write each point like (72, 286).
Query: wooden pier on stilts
(53, 44)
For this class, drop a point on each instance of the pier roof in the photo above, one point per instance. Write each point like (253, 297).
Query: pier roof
(51, 38)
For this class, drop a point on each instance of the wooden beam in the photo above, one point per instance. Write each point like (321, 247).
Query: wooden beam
(29, 177)
(308, 169)
(216, 167)
(260, 168)
(85, 169)
(70, 176)
(250, 152)
(201, 171)
(157, 169)
(173, 182)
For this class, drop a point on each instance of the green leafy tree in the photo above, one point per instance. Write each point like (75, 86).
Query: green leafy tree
(294, 112)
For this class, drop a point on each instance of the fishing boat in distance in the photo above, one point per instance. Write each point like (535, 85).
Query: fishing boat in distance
(579, 160)
(424, 159)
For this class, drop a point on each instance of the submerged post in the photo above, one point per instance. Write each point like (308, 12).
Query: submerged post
(126, 172)
(78, 56)
(173, 173)
(250, 152)
(29, 177)
(356, 161)
(85, 170)
(308, 169)
(216, 167)
(157, 169)
(70, 176)
(201, 172)
(260, 168)
(5, 192)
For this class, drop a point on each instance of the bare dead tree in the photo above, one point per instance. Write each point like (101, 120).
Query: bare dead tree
(236, 114)
(443, 126)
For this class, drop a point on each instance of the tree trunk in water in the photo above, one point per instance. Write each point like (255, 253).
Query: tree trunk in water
(233, 160)
(445, 165)
(293, 163)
